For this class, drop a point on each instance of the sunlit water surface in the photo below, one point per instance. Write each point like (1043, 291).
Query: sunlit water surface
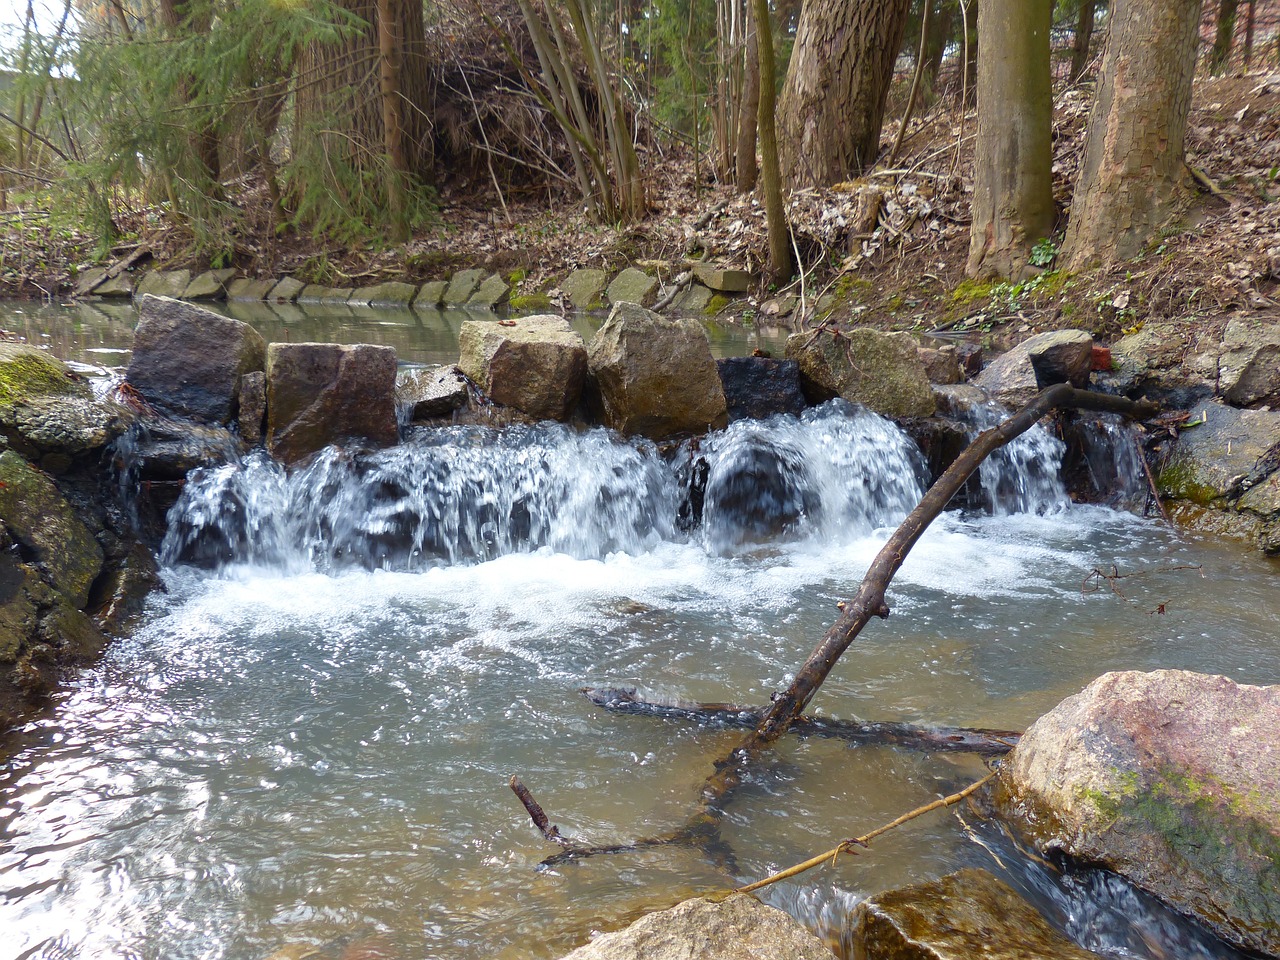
(309, 740)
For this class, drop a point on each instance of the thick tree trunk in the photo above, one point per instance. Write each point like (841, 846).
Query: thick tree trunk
(1083, 38)
(941, 33)
(1224, 35)
(833, 99)
(1133, 163)
(1250, 19)
(178, 18)
(389, 50)
(339, 92)
(1013, 163)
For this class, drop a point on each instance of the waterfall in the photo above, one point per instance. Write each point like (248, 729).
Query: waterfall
(1023, 476)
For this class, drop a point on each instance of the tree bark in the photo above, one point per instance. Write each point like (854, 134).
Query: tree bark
(1013, 162)
(1250, 19)
(833, 99)
(392, 122)
(1133, 165)
(205, 143)
(940, 35)
(770, 169)
(1224, 35)
(749, 118)
(1083, 38)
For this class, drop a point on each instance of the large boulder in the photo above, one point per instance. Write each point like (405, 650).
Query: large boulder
(39, 518)
(189, 360)
(535, 364)
(325, 393)
(585, 288)
(48, 413)
(881, 371)
(739, 927)
(1211, 457)
(1172, 780)
(759, 387)
(656, 376)
(1062, 356)
(1249, 365)
(962, 916)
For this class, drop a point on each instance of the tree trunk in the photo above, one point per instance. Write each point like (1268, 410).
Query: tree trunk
(941, 32)
(392, 123)
(1250, 19)
(339, 94)
(178, 18)
(770, 169)
(1013, 161)
(750, 113)
(1224, 35)
(1133, 166)
(833, 99)
(1083, 37)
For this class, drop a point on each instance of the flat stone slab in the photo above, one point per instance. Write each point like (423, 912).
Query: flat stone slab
(585, 288)
(431, 294)
(210, 285)
(493, 292)
(390, 294)
(286, 290)
(722, 281)
(164, 283)
(462, 285)
(633, 286)
(243, 288)
(120, 285)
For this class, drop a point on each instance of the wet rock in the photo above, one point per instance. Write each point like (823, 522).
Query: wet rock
(318, 293)
(461, 287)
(879, 370)
(962, 916)
(326, 393)
(1209, 459)
(118, 287)
(242, 288)
(285, 290)
(87, 281)
(121, 592)
(971, 357)
(492, 292)
(959, 399)
(757, 492)
(164, 283)
(210, 285)
(391, 294)
(431, 392)
(535, 364)
(722, 281)
(39, 518)
(656, 376)
(1063, 356)
(430, 294)
(1249, 365)
(253, 406)
(189, 360)
(759, 387)
(1170, 779)
(633, 286)
(942, 364)
(941, 441)
(737, 928)
(585, 288)
(167, 449)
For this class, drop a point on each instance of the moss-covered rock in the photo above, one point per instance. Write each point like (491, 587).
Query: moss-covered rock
(1171, 779)
(585, 288)
(879, 370)
(26, 372)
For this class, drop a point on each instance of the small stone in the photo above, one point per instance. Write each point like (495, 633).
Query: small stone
(633, 286)
(585, 288)
(242, 288)
(723, 281)
(430, 294)
(461, 286)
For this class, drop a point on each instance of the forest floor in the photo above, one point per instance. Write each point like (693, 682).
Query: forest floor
(904, 270)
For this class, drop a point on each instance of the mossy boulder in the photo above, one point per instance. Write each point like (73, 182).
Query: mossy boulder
(881, 371)
(962, 916)
(1210, 457)
(39, 518)
(26, 372)
(633, 285)
(1249, 365)
(585, 288)
(1172, 780)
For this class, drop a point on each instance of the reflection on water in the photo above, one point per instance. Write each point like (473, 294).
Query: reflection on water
(101, 332)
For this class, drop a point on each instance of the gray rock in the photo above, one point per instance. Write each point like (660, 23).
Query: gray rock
(633, 286)
(535, 364)
(431, 294)
(326, 393)
(431, 391)
(242, 288)
(491, 293)
(190, 360)
(123, 588)
(316, 293)
(1170, 779)
(163, 283)
(253, 406)
(286, 290)
(694, 301)
(722, 281)
(656, 376)
(759, 387)
(88, 281)
(962, 916)
(210, 285)
(882, 371)
(119, 286)
(39, 517)
(739, 927)
(585, 288)
(1209, 459)
(1249, 366)
(1062, 356)
(461, 287)
(390, 294)
(942, 364)
(169, 449)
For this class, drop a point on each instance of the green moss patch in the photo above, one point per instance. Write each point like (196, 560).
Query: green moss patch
(27, 372)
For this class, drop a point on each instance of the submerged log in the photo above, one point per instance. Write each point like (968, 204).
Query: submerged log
(987, 743)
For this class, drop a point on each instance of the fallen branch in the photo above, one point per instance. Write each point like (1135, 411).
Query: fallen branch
(938, 739)
(848, 846)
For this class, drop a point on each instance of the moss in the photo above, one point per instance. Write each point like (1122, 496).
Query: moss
(853, 289)
(26, 372)
(895, 303)
(530, 301)
(1178, 480)
(716, 304)
(516, 276)
(1051, 284)
(971, 291)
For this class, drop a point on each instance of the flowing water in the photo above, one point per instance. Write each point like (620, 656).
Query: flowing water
(309, 737)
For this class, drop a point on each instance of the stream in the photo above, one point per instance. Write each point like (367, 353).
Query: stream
(308, 738)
